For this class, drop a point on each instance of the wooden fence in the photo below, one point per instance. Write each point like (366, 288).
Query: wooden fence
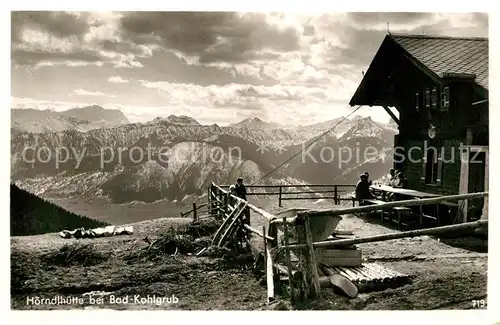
(338, 194)
(297, 238)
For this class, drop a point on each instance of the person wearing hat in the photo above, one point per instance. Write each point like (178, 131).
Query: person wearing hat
(368, 178)
(240, 189)
(363, 190)
(241, 192)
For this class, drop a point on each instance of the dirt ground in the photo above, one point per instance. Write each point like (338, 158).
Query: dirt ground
(48, 272)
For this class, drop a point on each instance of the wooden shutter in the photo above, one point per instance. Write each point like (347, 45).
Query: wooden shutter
(427, 99)
(417, 101)
(424, 167)
(434, 98)
(439, 178)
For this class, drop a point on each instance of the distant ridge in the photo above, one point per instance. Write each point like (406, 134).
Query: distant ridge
(31, 215)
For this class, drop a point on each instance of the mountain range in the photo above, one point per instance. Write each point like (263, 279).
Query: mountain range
(96, 154)
(81, 119)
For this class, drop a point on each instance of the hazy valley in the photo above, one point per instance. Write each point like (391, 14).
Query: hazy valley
(98, 164)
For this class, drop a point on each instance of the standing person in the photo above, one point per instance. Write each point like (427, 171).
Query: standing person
(241, 192)
(240, 189)
(363, 190)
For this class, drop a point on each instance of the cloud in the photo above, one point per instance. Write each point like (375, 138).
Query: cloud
(211, 37)
(391, 17)
(218, 65)
(73, 39)
(117, 80)
(82, 92)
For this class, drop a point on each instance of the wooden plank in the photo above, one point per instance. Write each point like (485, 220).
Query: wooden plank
(339, 257)
(223, 228)
(255, 231)
(230, 228)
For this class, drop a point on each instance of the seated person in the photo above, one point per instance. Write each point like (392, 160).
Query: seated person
(392, 179)
(363, 190)
(401, 181)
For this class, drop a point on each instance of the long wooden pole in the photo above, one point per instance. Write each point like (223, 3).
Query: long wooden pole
(368, 208)
(258, 233)
(403, 234)
(269, 273)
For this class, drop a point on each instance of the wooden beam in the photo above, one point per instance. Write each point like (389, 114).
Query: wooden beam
(255, 231)
(391, 114)
(391, 236)
(414, 202)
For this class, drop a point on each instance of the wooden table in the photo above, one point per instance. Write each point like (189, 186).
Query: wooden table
(403, 191)
(410, 193)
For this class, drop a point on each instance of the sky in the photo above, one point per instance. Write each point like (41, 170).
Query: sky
(218, 67)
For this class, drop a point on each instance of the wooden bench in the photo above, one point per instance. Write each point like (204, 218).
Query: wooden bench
(377, 202)
(398, 211)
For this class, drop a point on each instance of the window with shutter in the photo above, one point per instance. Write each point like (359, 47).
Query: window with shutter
(427, 99)
(445, 97)
(417, 101)
(439, 172)
(434, 98)
(424, 168)
(432, 167)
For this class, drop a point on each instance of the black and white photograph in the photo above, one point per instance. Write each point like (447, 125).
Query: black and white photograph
(255, 161)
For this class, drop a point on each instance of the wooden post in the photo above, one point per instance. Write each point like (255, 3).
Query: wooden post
(210, 200)
(312, 265)
(265, 244)
(336, 196)
(279, 197)
(270, 275)
(221, 206)
(288, 262)
(225, 210)
(310, 277)
(195, 215)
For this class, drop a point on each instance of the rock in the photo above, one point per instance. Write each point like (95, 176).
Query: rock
(358, 303)
(280, 305)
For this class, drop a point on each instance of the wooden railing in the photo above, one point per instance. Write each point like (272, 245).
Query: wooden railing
(336, 189)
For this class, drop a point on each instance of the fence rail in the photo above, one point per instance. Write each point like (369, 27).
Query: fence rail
(336, 189)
